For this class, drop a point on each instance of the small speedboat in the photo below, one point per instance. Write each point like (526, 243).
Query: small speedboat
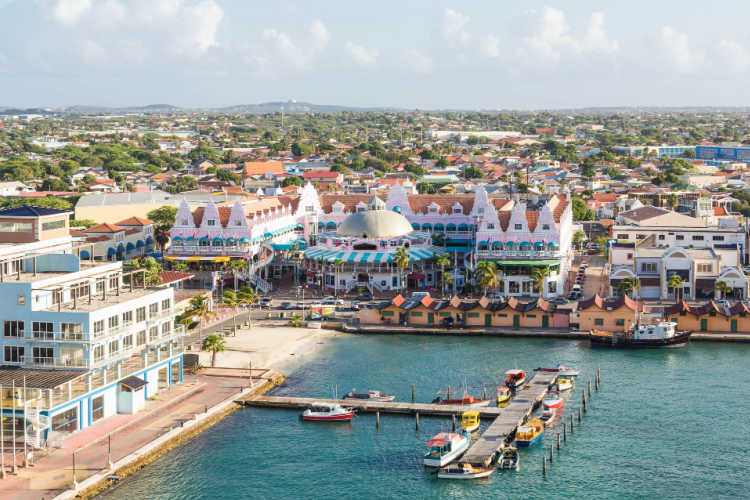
(509, 458)
(564, 384)
(531, 433)
(467, 400)
(550, 416)
(322, 412)
(370, 396)
(561, 371)
(445, 447)
(503, 396)
(464, 471)
(515, 378)
(470, 421)
(553, 401)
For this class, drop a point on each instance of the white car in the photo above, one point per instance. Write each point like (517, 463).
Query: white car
(331, 300)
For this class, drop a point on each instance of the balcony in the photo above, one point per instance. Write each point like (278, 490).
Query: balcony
(50, 362)
(229, 250)
(57, 336)
(526, 254)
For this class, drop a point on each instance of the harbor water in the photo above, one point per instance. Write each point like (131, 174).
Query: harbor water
(666, 423)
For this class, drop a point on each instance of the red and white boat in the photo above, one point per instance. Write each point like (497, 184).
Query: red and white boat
(550, 416)
(464, 471)
(370, 396)
(553, 401)
(561, 370)
(467, 400)
(323, 412)
(515, 378)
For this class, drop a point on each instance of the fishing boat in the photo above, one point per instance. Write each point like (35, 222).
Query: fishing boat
(553, 401)
(663, 334)
(324, 412)
(470, 421)
(515, 378)
(445, 447)
(467, 400)
(550, 416)
(561, 371)
(503, 396)
(509, 459)
(370, 396)
(564, 384)
(530, 433)
(464, 471)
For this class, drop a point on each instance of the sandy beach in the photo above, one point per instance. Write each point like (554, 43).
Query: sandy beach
(269, 346)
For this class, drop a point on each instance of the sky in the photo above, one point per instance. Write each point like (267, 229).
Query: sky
(494, 54)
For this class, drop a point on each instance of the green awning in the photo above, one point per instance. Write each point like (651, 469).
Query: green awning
(536, 263)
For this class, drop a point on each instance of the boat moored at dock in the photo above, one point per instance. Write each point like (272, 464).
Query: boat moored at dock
(509, 459)
(553, 401)
(530, 433)
(564, 384)
(664, 334)
(325, 412)
(464, 471)
(467, 400)
(503, 396)
(550, 416)
(445, 447)
(561, 371)
(470, 421)
(370, 396)
(515, 378)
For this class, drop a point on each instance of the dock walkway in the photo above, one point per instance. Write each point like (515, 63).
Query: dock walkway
(520, 407)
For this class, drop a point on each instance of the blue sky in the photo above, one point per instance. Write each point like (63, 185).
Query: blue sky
(408, 53)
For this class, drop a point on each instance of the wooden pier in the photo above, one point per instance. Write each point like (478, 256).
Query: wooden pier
(423, 409)
(520, 407)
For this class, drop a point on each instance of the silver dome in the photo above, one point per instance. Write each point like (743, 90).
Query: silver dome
(375, 224)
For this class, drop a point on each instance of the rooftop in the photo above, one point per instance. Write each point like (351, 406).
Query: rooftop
(111, 299)
(36, 379)
(31, 211)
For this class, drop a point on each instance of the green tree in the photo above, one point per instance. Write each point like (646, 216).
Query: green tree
(486, 275)
(237, 266)
(163, 216)
(231, 300)
(291, 181)
(676, 283)
(442, 260)
(401, 259)
(538, 276)
(199, 307)
(472, 173)
(723, 288)
(628, 285)
(213, 344)
(580, 210)
(578, 238)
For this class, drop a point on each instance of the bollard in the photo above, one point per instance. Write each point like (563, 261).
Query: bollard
(377, 420)
(454, 422)
(565, 432)
(416, 420)
(598, 373)
(412, 393)
(558, 442)
(544, 465)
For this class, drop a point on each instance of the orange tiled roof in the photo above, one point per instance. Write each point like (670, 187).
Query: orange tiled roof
(105, 228)
(134, 221)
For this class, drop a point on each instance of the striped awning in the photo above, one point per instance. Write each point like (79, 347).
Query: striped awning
(370, 257)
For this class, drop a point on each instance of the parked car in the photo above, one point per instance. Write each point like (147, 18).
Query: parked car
(575, 295)
(558, 300)
(364, 297)
(287, 306)
(355, 306)
(332, 300)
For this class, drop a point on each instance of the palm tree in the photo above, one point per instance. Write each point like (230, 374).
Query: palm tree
(675, 282)
(179, 266)
(236, 266)
(538, 276)
(338, 264)
(442, 260)
(629, 285)
(247, 296)
(445, 280)
(213, 343)
(199, 307)
(578, 238)
(438, 239)
(401, 259)
(230, 299)
(723, 288)
(486, 275)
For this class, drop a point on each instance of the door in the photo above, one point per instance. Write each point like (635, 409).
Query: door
(487, 320)
(516, 321)
(545, 321)
(704, 324)
(431, 318)
(734, 326)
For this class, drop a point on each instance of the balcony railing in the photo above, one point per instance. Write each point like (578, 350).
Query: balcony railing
(50, 362)
(238, 250)
(529, 254)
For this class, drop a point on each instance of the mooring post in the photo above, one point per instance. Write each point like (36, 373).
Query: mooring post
(598, 374)
(579, 414)
(454, 422)
(416, 420)
(565, 432)
(571, 424)
(377, 420)
(544, 465)
(558, 442)
(484, 391)
(551, 453)
(448, 395)
(589, 384)
(412, 393)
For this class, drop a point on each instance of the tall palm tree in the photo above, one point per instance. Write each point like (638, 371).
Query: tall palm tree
(338, 265)
(486, 275)
(442, 260)
(230, 299)
(538, 276)
(445, 280)
(200, 308)
(401, 259)
(236, 266)
(723, 288)
(247, 296)
(629, 285)
(213, 343)
(675, 283)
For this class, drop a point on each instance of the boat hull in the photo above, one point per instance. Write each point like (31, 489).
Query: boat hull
(470, 428)
(447, 458)
(530, 442)
(460, 402)
(621, 341)
(462, 475)
(553, 404)
(341, 417)
(377, 399)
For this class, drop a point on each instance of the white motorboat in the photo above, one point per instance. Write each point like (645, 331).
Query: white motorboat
(464, 471)
(445, 447)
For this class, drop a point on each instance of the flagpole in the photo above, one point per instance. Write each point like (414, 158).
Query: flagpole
(14, 426)
(2, 434)
(25, 451)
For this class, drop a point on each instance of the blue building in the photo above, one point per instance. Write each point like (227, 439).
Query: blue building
(82, 340)
(723, 153)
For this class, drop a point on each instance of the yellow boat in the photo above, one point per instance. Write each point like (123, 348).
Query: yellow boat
(470, 420)
(503, 396)
(530, 433)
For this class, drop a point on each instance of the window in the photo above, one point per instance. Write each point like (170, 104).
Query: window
(183, 222)
(662, 237)
(705, 268)
(13, 328)
(310, 209)
(473, 315)
(127, 342)
(648, 267)
(114, 347)
(21, 300)
(238, 222)
(127, 317)
(153, 309)
(598, 321)
(679, 237)
(72, 331)
(113, 321)
(98, 327)
(13, 354)
(629, 256)
(697, 237)
(490, 226)
(518, 227)
(99, 285)
(502, 315)
(66, 421)
(165, 329)
(55, 224)
(44, 355)
(717, 238)
(114, 282)
(620, 322)
(457, 210)
(15, 227)
(98, 353)
(140, 314)
(141, 338)
(415, 314)
(210, 222)
(81, 289)
(531, 315)
(545, 227)
(640, 236)
(42, 330)
(97, 408)
(153, 333)
(552, 287)
(623, 236)
(387, 313)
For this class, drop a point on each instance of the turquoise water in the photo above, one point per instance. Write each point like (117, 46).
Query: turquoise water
(665, 424)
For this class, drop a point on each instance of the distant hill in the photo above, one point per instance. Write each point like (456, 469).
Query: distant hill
(293, 107)
(151, 108)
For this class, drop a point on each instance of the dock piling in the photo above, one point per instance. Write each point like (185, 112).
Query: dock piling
(571, 424)
(565, 432)
(544, 465)
(453, 417)
(579, 414)
(558, 442)
(589, 384)
(448, 394)
(377, 420)
(416, 420)
(484, 391)
(551, 453)
(412, 393)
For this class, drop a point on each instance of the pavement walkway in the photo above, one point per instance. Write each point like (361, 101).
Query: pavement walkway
(53, 473)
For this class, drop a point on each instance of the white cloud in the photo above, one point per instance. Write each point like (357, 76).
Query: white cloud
(490, 46)
(734, 56)
(676, 48)
(454, 27)
(418, 62)
(596, 39)
(320, 35)
(362, 56)
(69, 11)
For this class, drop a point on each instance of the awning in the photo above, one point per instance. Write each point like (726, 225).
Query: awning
(416, 276)
(538, 244)
(204, 238)
(176, 238)
(111, 251)
(415, 226)
(190, 238)
(193, 258)
(130, 246)
(267, 235)
(120, 247)
(299, 226)
(218, 240)
(149, 241)
(552, 244)
(524, 244)
(533, 263)
(439, 227)
(140, 243)
(496, 244)
(170, 258)
(220, 259)
(244, 240)
(84, 254)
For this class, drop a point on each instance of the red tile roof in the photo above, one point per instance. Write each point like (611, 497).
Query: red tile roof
(105, 228)
(134, 221)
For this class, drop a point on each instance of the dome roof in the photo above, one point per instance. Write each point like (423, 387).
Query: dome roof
(375, 224)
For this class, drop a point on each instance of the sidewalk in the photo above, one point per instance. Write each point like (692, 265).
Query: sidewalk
(53, 473)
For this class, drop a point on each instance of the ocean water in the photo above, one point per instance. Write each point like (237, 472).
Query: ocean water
(666, 424)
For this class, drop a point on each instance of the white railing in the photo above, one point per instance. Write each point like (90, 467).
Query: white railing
(209, 250)
(518, 253)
